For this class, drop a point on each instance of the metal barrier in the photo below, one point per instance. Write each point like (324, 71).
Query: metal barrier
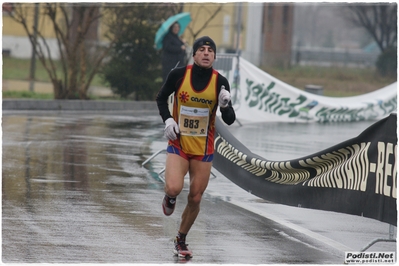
(389, 239)
(229, 66)
(333, 56)
(160, 173)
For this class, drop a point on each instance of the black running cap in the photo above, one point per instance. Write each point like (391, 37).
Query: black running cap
(205, 40)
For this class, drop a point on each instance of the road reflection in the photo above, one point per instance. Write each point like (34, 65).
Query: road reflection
(74, 191)
(74, 156)
(65, 176)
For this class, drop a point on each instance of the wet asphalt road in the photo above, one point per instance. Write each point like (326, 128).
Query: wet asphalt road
(74, 191)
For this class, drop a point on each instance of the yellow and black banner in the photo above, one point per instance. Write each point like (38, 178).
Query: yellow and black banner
(357, 176)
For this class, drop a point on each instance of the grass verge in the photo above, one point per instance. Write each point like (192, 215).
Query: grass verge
(19, 69)
(27, 95)
(336, 81)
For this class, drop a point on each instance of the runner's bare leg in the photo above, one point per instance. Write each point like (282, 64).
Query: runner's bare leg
(175, 170)
(199, 178)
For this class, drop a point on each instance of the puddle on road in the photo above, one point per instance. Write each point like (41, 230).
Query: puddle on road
(66, 177)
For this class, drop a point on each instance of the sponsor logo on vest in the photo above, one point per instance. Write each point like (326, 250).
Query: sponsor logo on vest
(200, 100)
(184, 96)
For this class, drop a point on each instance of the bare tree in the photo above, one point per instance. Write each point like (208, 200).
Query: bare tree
(75, 29)
(175, 8)
(196, 11)
(378, 19)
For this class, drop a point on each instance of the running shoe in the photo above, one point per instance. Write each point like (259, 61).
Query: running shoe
(181, 249)
(168, 205)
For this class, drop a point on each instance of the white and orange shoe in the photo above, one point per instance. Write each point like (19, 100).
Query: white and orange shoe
(181, 249)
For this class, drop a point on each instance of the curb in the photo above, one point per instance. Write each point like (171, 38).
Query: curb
(78, 105)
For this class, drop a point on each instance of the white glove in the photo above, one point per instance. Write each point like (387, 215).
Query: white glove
(224, 97)
(171, 129)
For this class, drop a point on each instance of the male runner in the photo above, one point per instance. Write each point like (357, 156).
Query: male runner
(199, 90)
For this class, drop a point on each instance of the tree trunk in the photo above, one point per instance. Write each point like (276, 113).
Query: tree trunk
(83, 92)
(58, 90)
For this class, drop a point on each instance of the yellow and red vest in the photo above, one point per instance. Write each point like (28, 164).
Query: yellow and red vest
(195, 112)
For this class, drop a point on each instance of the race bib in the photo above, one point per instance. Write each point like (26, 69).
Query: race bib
(193, 121)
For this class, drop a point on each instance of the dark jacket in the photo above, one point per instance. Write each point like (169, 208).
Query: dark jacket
(171, 53)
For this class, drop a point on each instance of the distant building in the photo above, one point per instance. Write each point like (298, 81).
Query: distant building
(266, 33)
(263, 37)
(277, 34)
(252, 37)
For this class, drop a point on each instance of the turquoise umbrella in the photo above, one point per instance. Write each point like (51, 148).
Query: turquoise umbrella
(182, 18)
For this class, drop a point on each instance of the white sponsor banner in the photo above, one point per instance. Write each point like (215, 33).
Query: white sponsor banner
(261, 97)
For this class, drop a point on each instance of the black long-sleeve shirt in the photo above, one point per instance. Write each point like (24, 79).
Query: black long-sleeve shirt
(199, 79)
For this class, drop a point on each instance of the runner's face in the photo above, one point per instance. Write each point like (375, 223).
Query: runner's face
(204, 56)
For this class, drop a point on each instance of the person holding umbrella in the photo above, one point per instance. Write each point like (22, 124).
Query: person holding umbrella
(168, 38)
(198, 91)
(174, 50)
